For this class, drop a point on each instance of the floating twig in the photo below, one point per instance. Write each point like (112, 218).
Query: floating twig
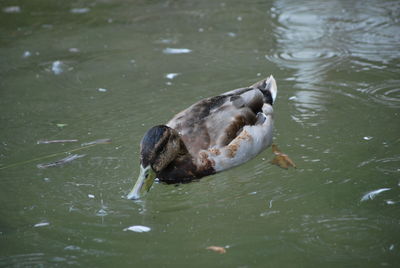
(46, 156)
(99, 141)
(54, 141)
(61, 161)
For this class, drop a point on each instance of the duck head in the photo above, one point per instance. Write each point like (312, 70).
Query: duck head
(158, 148)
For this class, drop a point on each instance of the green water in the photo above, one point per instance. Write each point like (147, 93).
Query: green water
(99, 68)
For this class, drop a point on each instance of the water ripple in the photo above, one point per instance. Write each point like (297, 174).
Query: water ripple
(317, 41)
(366, 31)
(308, 55)
(333, 234)
(387, 94)
(24, 260)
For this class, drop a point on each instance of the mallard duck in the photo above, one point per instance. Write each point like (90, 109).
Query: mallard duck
(212, 135)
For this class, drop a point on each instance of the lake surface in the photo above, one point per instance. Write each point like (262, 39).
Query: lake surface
(90, 70)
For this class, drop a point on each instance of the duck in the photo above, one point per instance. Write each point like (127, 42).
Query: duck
(212, 135)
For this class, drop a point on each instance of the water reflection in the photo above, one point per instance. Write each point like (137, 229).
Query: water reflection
(123, 67)
(387, 93)
(329, 236)
(319, 41)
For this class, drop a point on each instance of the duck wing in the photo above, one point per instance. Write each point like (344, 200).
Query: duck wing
(216, 121)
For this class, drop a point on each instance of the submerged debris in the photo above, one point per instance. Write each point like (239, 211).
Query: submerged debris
(138, 228)
(99, 141)
(282, 160)
(371, 195)
(217, 249)
(73, 50)
(54, 141)
(81, 10)
(102, 212)
(61, 161)
(12, 9)
(72, 247)
(26, 54)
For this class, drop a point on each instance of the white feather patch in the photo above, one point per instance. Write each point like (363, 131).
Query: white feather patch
(138, 229)
(371, 195)
(273, 87)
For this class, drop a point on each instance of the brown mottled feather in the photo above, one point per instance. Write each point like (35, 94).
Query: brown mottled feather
(216, 121)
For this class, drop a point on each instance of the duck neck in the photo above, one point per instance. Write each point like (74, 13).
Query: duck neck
(181, 169)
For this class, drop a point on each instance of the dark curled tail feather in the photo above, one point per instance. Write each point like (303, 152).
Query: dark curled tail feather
(268, 88)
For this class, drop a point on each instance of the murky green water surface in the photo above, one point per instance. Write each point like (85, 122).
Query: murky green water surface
(88, 70)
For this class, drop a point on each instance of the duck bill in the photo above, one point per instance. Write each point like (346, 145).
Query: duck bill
(143, 183)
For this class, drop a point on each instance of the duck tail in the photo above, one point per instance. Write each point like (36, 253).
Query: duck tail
(268, 88)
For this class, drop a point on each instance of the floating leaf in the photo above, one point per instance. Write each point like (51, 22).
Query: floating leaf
(217, 249)
(282, 160)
